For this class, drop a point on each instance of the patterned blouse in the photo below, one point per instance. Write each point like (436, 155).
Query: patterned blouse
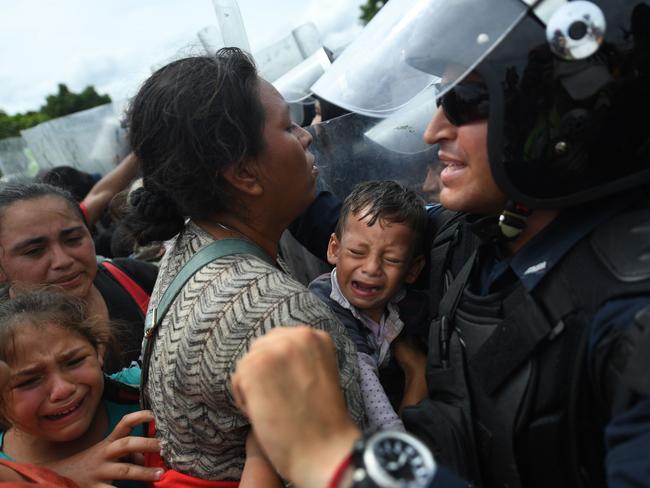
(210, 325)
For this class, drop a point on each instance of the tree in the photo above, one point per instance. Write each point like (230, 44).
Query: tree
(66, 102)
(11, 125)
(62, 103)
(370, 8)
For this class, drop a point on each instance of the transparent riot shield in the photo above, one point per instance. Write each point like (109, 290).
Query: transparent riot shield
(345, 156)
(15, 159)
(231, 24)
(211, 40)
(295, 84)
(275, 60)
(92, 140)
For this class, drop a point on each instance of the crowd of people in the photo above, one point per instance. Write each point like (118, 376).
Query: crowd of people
(497, 338)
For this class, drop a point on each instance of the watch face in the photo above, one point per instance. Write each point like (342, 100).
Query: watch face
(396, 459)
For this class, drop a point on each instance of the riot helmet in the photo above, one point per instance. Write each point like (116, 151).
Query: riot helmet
(565, 86)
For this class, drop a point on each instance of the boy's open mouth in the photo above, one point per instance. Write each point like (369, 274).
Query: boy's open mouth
(363, 288)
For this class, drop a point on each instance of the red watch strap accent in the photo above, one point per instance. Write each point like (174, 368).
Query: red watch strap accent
(338, 474)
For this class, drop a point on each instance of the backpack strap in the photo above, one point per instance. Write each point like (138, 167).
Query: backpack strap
(204, 256)
(136, 292)
(447, 309)
(451, 247)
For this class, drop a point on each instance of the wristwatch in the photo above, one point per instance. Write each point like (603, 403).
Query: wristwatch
(391, 459)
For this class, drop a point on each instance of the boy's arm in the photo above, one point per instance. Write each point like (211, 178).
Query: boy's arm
(379, 410)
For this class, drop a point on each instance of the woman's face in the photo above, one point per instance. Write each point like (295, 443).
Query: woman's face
(56, 383)
(287, 167)
(44, 242)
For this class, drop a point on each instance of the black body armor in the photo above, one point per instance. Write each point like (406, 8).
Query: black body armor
(512, 401)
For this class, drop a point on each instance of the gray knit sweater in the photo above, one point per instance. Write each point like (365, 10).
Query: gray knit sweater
(210, 325)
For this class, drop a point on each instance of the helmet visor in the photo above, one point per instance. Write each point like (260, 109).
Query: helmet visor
(411, 42)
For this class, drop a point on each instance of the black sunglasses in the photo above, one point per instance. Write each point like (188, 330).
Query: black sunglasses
(464, 103)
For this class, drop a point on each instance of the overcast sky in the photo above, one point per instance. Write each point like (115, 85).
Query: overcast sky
(112, 44)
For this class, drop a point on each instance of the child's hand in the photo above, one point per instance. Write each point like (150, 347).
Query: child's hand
(118, 457)
(409, 356)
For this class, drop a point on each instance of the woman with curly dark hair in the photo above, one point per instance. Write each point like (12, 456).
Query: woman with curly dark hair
(221, 159)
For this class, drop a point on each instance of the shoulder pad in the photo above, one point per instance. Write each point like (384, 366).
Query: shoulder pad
(623, 245)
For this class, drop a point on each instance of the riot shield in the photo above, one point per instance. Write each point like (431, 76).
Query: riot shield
(346, 156)
(92, 140)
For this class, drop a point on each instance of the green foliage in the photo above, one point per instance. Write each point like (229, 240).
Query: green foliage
(11, 125)
(66, 102)
(370, 8)
(62, 103)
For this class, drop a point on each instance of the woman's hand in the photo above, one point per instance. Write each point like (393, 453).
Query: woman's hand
(118, 457)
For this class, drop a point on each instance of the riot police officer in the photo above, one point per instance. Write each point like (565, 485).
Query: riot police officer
(539, 275)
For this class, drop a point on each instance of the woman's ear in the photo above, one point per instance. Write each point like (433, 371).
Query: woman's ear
(244, 178)
(333, 249)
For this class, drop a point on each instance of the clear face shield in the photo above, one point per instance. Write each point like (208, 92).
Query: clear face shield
(409, 45)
